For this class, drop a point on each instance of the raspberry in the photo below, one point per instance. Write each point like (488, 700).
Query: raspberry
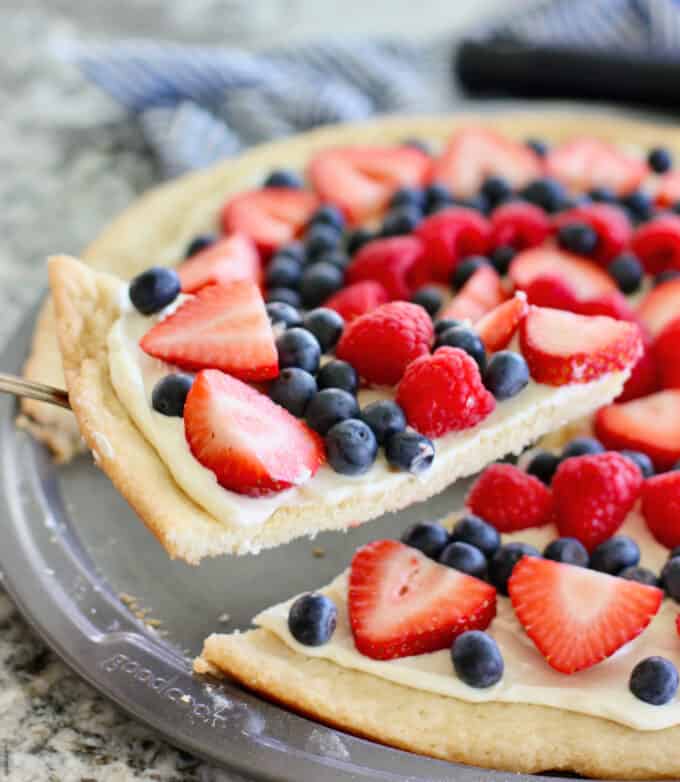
(661, 507)
(520, 225)
(357, 299)
(593, 495)
(657, 244)
(510, 498)
(444, 393)
(610, 223)
(381, 344)
(389, 262)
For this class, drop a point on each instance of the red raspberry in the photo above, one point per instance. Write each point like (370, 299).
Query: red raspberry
(381, 344)
(519, 224)
(610, 223)
(444, 393)
(661, 507)
(593, 495)
(357, 299)
(657, 243)
(510, 499)
(389, 262)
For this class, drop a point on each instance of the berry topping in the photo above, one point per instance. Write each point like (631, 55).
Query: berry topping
(284, 295)
(401, 220)
(409, 451)
(320, 240)
(328, 214)
(312, 619)
(293, 389)
(577, 238)
(477, 659)
(351, 447)
(199, 243)
(443, 393)
(225, 261)
(504, 561)
(508, 498)
(654, 680)
(170, 393)
(283, 315)
(506, 374)
(501, 257)
(408, 196)
(222, 327)
(615, 555)
(401, 603)
(465, 339)
(298, 347)
(641, 460)
(357, 239)
(546, 193)
(282, 177)
(610, 224)
(326, 325)
(283, 272)
(577, 617)
(154, 289)
(670, 578)
(385, 419)
(381, 344)
(357, 299)
(252, 445)
(464, 557)
(543, 466)
(465, 269)
(338, 374)
(666, 351)
(496, 190)
(640, 574)
(660, 160)
(627, 272)
(428, 537)
(430, 298)
(657, 243)
(498, 327)
(644, 376)
(318, 282)
(639, 206)
(660, 306)
(475, 531)
(482, 293)
(567, 550)
(582, 446)
(519, 225)
(329, 407)
(389, 262)
(661, 507)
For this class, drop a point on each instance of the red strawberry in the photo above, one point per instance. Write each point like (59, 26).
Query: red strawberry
(657, 243)
(661, 507)
(549, 290)
(610, 223)
(510, 499)
(650, 424)
(361, 180)
(270, 216)
(667, 354)
(230, 259)
(677, 624)
(562, 348)
(381, 344)
(593, 495)
(613, 305)
(252, 445)
(389, 262)
(482, 293)
(520, 225)
(498, 327)
(357, 299)
(401, 603)
(660, 306)
(222, 327)
(444, 393)
(644, 376)
(473, 154)
(449, 236)
(578, 617)
(668, 191)
(585, 163)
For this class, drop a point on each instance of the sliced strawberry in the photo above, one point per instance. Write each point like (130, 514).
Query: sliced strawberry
(610, 223)
(482, 293)
(668, 190)
(578, 617)
(660, 306)
(561, 347)
(667, 354)
(613, 304)
(222, 327)
(644, 376)
(661, 507)
(650, 424)
(473, 154)
(498, 327)
(657, 243)
(520, 225)
(357, 299)
(586, 163)
(270, 216)
(252, 445)
(549, 290)
(401, 603)
(361, 180)
(230, 259)
(388, 261)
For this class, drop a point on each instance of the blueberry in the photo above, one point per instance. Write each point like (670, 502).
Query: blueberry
(170, 393)
(627, 272)
(478, 533)
(582, 446)
(674, 552)
(283, 177)
(479, 203)
(578, 238)
(437, 196)
(666, 276)
(654, 680)
(639, 205)
(465, 339)
(477, 659)
(615, 554)
(603, 195)
(328, 214)
(538, 146)
(312, 619)
(501, 258)
(385, 419)
(320, 239)
(428, 537)
(402, 220)
(506, 374)
(283, 272)
(298, 348)
(338, 374)
(293, 389)
(409, 451)
(326, 325)
(417, 143)
(335, 257)
(496, 189)
(281, 313)
(660, 160)
(547, 193)
(466, 269)
(154, 289)
(640, 574)
(543, 466)
(504, 560)
(358, 238)
(320, 281)
(351, 447)
(670, 578)
(567, 550)
(294, 250)
(199, 243)
(446, 323)
(329, 407)
(464, 557)
(641, 460)
(284, 295)
(430, 298)
(408, 196)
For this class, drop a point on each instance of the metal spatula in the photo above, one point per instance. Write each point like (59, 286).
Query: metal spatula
(13, 384)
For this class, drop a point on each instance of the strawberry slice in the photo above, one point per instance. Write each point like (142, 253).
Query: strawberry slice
(498, 327)
(357, 299)
(610, 223)
(650, 424)
(473, 154)
(482, 293)
(549, 290)
(222, 327)
(360, 180)
(660, 306)
(520, 225)
(401, 603)
(657, 243)
(390, 262)
(230, 259)
(561, 347)
(270, 216)
(613, 304)
(667, 354)
(252, 445)
(578, 617)
(644, 376)
(585, 163)
(668, 189)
